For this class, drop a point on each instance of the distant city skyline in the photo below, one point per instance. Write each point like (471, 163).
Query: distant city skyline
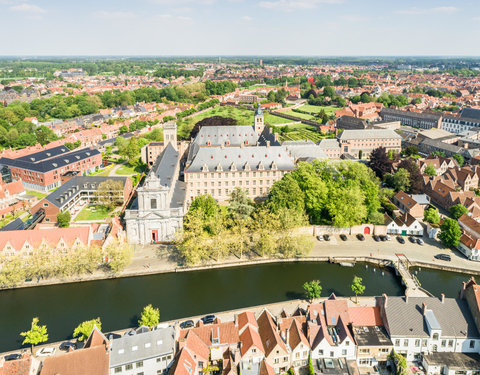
(241, 27)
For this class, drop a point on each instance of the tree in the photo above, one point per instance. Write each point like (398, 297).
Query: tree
(329, 91)
(459, 159)
(431, 216)
(450, 232)
(63, 219)
(240, 205)
(430, 170)
(84, 329)
(357, 287)
(400, 180)
(286, 193)
(36, 335)
(380, 162)
(458, 210)
(44, 135)
(118, 255)
(123, 129)
(416, 178)
(312, 289)
(411, 150)
(150, 317)
(110, 193)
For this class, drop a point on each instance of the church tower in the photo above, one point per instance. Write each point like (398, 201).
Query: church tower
(170, 134)
(259, 121)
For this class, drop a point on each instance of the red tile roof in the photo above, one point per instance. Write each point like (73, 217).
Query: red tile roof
(365, 316)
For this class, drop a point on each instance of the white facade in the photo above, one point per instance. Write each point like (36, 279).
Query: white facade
(346, 349)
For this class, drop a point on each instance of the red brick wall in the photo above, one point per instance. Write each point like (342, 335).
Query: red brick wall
(51, 210)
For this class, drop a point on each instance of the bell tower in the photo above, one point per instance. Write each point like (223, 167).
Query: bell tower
(259, 120)
(170, 134)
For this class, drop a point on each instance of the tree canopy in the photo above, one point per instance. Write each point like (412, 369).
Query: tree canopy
(458, 210)
(312, 289)
(450, 232)
(37, 334)
(150, 317)
(84, 329)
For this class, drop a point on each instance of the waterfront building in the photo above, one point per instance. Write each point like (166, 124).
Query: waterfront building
(414, 204)
(422, 325)
(147, 352)
(403, 224)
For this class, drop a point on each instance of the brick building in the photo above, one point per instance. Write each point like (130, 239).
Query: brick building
(42, 170)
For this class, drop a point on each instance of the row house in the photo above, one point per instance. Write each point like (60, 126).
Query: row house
(440, 164)
(403, 224)
(414, 205)
(419, 326)
(24, 242)
(470, 240)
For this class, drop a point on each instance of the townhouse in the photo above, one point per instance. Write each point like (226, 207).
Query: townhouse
(147, 352)
(403, 224)
(422, 325)
(414, 205)
(440, 164)
(470, 240)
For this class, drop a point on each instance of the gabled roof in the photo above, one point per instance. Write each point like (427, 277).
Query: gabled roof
(268, 333)
(251, 338)
(225, 333)
(296, 335)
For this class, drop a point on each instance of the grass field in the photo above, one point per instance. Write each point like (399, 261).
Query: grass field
(299, 132)
(100, 213)
(127, 169)
(301, 115)
(331, 109)
(36, 194)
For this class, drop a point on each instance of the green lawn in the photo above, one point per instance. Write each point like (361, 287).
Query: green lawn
(36, 194)
(87, 213)
(127, 169)
(298, 132)
(331, 109)
(301, 115)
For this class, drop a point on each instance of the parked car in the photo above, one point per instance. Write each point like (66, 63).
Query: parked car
(326, 237)
(420, 241)
(361, 237)
(343, 237)
(81, 344)
(208, 319)
(110, 336)
(132, 332)
(388, 237)
(187, 324)
(46, 352)
(376, 238)
(383, 238)
(400, 239)
(320, 238)
(66, 345)
(12, 357)
(445, 257)
(412, 239)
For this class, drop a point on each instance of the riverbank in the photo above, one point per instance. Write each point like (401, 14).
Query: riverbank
(159, 259)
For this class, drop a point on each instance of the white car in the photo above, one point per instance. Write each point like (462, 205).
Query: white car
(46, 352)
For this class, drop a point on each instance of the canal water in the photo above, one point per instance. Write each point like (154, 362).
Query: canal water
(438, 282)
(117, 302)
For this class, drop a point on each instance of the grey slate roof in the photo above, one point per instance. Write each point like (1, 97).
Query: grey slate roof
(70, 189)
(148, 345)
(369, 134)
(240, 156)
(399, 112)
(218, 135)
(329, 143)
(305, 151)
(164, 166)
(43, 163)
(471, 113)
(405, 319)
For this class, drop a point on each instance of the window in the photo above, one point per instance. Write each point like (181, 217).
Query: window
(45, 205)
(344, 351)
(320, 352)
(276, 360)
(405, 342)
(364, 351)
(435, 336)
(139, 373)
(153, 204)
(472, 344)
(444, 343)
(118, 369)
(200, 364)
(397, 342)
(129, 366)
(450, 343)
(417, 343)
(139, 364)
(285, 359)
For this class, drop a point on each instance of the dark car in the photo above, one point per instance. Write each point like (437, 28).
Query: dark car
(400, 239)
(412, 239)
(208, 319)
(446, 257)
(320, 238)
(326, 237)
(383, 238)
(187, 324)
(361, 237)
(420, 241)
(343, 237)
(12, 357)
(376, 238)
(81, 344)
(67, 345)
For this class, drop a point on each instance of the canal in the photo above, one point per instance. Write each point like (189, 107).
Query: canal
(117, 302)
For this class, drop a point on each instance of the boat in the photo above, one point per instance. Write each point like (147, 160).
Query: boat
(347, 264)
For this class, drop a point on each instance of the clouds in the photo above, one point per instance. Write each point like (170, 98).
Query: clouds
(413, 11)
(27, 8)
(291, 5)
(115, 15)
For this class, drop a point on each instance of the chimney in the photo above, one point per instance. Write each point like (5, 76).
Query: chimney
(385, 300)
(424, 308)
(242, 145)
(442, 297)
(268, 143)
(406, 296)
(288, 335)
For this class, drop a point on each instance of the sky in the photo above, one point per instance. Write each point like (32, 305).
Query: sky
(240, 27)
